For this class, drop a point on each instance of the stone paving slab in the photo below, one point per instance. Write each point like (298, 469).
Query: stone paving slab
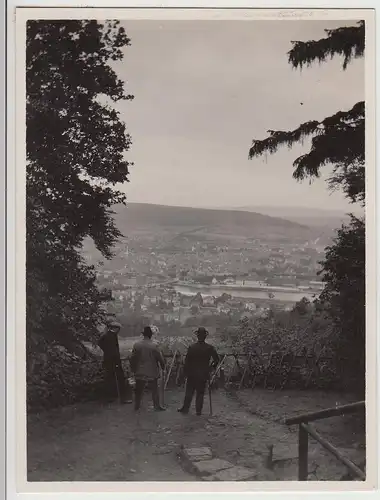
(234, 474)
(197, 454)
(285, 451)
(210, 467)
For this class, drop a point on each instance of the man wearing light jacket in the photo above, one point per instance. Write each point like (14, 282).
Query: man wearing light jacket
(146, 361)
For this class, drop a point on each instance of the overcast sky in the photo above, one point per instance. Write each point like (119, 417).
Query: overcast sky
(204, 89)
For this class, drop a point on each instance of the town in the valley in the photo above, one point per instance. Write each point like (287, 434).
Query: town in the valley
(178, 281)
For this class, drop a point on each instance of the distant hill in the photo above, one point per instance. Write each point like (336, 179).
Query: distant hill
(162, 218)
(313, 217)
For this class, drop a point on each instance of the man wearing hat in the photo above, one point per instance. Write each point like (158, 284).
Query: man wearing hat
(115, 383)
(197, 370)
(146, 361)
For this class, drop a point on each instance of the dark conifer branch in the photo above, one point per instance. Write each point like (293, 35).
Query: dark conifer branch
(338, 140)
(348, 42)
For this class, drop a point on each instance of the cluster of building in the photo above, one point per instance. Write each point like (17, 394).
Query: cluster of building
(163, 305)
(201, 261)
(145, 270)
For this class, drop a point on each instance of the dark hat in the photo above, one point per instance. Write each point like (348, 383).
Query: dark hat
(201, 332)
(147, 331)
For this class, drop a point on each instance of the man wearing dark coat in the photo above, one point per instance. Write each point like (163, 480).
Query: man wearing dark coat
(197, 371)
(115, 383)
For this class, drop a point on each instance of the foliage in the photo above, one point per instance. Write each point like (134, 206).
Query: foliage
(343, 271)
(225, 297)
(292, 331)
(192, 321)
(307, 336)
(194, 309)
(169, 345)
(302, 307)
(56, 377)
(75, 156)
(338, 140)
(348, 42)
(278, 340)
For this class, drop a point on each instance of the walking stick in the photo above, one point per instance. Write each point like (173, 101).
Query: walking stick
(209, 396)
(162, 387)
(117, 384)
(210, 381)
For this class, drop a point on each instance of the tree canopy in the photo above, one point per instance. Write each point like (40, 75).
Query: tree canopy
(338, 140)
(76, 146)
(348, 42)
(344, 296)
(345, 291)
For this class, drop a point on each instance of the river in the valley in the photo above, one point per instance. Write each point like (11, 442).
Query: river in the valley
(278, 294)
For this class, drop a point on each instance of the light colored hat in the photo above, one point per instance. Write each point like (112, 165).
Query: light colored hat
(114, 324)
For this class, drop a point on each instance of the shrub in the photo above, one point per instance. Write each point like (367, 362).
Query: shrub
(56, 377)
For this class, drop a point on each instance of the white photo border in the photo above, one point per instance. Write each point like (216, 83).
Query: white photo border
(16, 421)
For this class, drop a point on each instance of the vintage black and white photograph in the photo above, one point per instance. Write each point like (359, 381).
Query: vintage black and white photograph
(196, 249)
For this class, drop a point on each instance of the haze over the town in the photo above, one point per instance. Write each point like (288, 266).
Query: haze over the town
(204, 89)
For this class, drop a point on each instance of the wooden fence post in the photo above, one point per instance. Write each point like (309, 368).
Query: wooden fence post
(303, 449)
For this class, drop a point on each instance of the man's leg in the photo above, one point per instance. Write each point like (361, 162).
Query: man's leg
(109, 382)
(200, 390)
(155, 395)
(128, 391)
(124, 388)
(190, 388)
(139, 389)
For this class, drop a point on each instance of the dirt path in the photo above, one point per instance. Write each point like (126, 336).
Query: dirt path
(94, 442)
(90, 442)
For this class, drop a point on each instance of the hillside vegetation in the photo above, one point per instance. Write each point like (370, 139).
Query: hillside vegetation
(140, 216)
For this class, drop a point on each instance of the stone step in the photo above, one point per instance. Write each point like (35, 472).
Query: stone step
(200, 462)
(284, 451)
(210, 467)
(234, 473)
(196, 454)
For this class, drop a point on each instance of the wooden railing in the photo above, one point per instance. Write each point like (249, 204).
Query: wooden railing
(305, 429)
